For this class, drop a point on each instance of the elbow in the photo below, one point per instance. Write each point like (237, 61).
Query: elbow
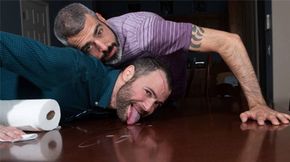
(231, 42)
(235, 38)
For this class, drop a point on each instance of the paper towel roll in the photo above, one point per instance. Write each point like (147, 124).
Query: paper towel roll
(46, 148)
(30, 115)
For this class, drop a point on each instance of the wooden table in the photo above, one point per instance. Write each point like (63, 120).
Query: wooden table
(197, 130)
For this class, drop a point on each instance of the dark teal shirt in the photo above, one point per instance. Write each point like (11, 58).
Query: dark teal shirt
(77, 81)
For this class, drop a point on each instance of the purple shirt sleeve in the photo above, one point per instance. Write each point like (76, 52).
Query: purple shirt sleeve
(147, 34)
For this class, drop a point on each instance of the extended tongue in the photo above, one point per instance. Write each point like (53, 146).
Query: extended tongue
(133, 116)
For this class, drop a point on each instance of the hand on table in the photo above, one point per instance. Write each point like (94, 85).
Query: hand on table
(261, 113)
(10, 133)
(253, 126)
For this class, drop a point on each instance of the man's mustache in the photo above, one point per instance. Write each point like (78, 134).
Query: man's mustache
(110, 48)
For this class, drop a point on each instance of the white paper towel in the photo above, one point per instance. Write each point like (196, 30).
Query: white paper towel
(30, 115)
(46, 148)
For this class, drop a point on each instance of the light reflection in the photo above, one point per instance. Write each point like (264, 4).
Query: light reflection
(140, 143)
(47, 147)
(255, 139)
(144, 144)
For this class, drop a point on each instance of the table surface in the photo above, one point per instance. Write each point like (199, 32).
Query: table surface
(196, 130)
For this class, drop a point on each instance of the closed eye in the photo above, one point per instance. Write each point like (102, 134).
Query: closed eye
(148, 93)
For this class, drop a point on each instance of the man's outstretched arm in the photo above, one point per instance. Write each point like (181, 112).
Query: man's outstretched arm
(233, 52)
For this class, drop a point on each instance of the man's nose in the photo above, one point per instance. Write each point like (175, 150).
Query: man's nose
(100, 45)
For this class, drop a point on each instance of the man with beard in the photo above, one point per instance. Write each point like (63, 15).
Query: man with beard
(81, 83)
(120, 39)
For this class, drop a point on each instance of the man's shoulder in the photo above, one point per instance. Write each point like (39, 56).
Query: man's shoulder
(143, 14)
(140, 16)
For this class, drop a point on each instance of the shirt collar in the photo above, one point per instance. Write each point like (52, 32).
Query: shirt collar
(110, 81)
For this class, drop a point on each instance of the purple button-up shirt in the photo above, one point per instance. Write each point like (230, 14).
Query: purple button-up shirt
(142, 34)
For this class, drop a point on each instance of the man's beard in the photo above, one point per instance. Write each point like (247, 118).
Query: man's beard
(116, 58)
(123, 100)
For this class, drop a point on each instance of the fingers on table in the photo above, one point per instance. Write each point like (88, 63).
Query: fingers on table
(244, 116)
(261, 117)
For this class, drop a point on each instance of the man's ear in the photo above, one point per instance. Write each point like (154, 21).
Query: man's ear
(100, 17)
(128, 73)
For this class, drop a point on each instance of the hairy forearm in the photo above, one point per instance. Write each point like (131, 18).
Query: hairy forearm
(236, 57)
(233, 52)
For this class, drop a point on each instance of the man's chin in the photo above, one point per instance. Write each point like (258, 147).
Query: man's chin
(114, 59)
(122, 114)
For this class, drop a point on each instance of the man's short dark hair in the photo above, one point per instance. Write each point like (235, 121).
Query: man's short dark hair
(70, 20)
(144, 66)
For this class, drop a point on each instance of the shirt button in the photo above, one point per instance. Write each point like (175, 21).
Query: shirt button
(96, 103)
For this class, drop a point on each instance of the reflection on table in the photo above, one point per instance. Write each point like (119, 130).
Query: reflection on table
(196, 130)
(47, 147)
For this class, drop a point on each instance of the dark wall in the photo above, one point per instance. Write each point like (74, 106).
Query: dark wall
(10, 16)
(163, 8)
